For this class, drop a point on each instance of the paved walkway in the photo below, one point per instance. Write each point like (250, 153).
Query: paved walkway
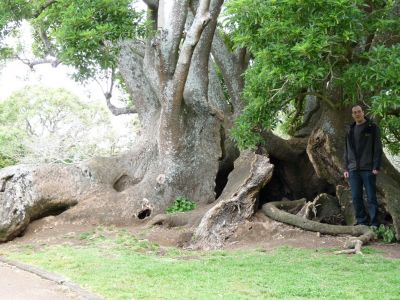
(24, 282)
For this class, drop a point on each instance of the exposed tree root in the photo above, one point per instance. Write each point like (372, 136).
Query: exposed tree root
(276, 210)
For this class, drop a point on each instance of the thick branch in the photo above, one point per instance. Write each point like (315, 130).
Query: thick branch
(32, 63)
(174, 34)
(322, 97)
(46, 43)
(282, 149)
(182, 70)
(208, 34)
(43, 7)
(232, 68)
(136, 73)
(116, 111)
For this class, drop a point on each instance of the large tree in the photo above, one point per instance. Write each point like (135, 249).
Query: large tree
(185, 78)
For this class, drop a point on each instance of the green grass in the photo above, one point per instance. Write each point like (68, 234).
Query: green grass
(121, 266)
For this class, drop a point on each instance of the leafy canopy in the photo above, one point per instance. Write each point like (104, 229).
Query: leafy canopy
(316, 47)
(81, 33)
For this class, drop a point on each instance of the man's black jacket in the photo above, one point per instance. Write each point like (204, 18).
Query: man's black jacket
(370, 149)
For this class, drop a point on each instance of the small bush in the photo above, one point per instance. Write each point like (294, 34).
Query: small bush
(181, 204)
(386, 233)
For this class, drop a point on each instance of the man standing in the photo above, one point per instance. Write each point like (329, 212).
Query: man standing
(362, 160)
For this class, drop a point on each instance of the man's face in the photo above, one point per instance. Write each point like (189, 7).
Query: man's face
(357, 114)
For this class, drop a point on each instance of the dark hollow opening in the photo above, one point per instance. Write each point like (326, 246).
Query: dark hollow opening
(144, 214)
(123, 183)
(293, 181)
(222, 179)
(51, 211)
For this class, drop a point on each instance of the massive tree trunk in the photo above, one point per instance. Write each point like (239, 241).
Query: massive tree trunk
(183, 146)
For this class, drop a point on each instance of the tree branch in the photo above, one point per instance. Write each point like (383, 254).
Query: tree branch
(284, 150)
(208, 34)
(32, 63)
(46, 43)
(182, 70)
(116, 111)
(138, 78)
(322, 97)
(172, 37)
(43, 7)
(198, 82)
(231, 69)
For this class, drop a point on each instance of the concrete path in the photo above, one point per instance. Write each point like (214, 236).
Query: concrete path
(23, 282)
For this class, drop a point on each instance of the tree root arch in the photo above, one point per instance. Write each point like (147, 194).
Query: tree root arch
(277, 211)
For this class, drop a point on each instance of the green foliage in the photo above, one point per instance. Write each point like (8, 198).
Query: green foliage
(85, 34)
(181, 204)
(309, 47)
(11, 14)
(378, 82)
(386, 233)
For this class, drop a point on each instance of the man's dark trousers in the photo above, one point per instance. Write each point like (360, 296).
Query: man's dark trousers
(358, 179)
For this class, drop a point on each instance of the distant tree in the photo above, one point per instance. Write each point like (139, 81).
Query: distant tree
(39, 124)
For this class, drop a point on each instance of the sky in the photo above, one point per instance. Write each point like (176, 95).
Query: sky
(15, 75)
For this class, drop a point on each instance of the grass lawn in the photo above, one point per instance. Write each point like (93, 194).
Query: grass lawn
(117, 265)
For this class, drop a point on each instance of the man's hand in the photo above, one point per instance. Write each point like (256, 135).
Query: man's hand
(375, 172)
(346, 174)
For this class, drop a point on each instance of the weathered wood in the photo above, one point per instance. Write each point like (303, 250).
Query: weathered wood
(237, 202)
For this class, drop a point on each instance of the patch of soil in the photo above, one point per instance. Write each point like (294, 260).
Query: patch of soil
(260, 232)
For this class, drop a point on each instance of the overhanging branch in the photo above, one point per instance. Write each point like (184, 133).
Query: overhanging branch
(43, 7)
(117, 111)
(32, 63)
(285, 150)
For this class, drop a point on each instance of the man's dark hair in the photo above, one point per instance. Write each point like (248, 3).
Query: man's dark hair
(358, 104)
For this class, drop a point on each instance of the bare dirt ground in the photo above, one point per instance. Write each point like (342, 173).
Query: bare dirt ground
(259, 233)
